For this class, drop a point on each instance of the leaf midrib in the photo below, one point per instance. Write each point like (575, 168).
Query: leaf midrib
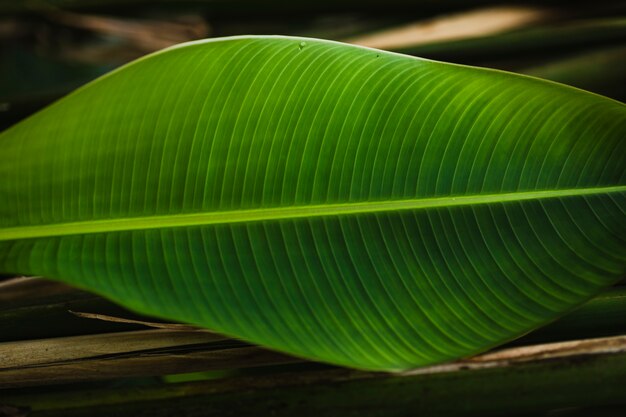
(285, 213)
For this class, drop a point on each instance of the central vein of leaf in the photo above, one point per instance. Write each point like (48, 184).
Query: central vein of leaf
(285, 213)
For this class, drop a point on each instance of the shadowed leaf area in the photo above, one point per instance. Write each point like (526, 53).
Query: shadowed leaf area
(337, 203)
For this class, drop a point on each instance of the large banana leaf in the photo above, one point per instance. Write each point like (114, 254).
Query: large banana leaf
(339, 203)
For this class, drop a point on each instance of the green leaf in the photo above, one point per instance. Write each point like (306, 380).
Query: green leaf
(339, 203)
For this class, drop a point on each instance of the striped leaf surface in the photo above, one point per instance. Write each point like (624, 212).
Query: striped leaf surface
(338, 203)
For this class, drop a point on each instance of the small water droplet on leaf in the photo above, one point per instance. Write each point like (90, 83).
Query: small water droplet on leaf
(302, 45)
